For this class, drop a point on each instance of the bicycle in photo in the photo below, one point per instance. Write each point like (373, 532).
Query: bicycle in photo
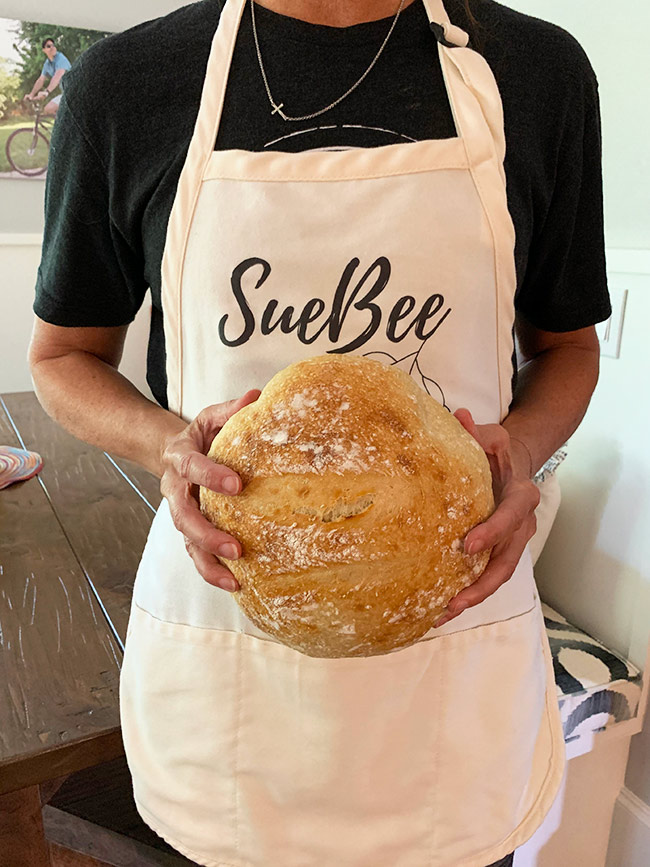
(28, 147)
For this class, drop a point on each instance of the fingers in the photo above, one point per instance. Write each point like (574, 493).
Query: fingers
(210, 420)
(509, 527)
(186, 453)
(517, 497)
(203, 541)
(520, 499)
(500, 568)
(179, 485)
(196, 468)
(210, 569)
(187, 518)
(186, 468)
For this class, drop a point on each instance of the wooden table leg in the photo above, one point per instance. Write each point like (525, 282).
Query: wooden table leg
(50, 787)
(22, 840)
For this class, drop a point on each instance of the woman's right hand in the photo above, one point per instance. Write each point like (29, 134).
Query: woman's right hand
(185, 466)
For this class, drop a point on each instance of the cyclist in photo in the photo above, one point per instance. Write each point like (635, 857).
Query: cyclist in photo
(54, 68)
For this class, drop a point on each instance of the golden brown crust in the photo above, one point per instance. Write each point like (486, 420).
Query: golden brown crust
(359, 489)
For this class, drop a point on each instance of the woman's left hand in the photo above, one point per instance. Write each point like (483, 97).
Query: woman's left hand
(511, 524)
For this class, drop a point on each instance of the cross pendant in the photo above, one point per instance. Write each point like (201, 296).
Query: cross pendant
(276, 108)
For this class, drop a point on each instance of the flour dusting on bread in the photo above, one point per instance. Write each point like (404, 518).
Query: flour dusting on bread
(359, 489)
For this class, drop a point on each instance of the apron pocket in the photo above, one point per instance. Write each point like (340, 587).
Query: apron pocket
(246, 752)
(334, 759)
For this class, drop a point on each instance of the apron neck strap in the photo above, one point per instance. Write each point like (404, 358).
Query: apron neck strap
(445, 32)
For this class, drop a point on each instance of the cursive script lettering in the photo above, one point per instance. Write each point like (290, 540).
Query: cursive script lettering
(360, 296)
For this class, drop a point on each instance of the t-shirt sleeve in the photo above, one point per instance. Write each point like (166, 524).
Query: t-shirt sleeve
(61, 62)
(89, 275)
(565, 284)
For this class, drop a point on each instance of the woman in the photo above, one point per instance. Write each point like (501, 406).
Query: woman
(344, 190)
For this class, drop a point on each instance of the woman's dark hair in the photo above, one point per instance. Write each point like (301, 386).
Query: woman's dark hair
(474, 26)
(49, 39)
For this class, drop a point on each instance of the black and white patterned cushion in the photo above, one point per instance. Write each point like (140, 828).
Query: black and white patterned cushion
(596, 687)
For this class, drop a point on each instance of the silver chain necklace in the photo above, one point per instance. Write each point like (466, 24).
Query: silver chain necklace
(277, 108)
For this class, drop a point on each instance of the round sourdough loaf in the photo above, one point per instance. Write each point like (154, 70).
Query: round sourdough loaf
(359, 489)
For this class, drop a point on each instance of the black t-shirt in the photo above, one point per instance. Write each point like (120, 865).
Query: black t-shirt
(130, 103)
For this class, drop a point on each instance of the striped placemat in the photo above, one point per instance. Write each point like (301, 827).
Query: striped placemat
(16, 465)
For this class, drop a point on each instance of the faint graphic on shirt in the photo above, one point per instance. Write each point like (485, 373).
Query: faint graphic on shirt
(339, 137)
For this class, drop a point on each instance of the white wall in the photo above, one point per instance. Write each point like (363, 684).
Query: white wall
(596, 565)
(19, 259)
(95, 16)
(614, 35)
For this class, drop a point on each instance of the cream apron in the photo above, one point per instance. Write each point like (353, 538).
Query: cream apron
(243, 751)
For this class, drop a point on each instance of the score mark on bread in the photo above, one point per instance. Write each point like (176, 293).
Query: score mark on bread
(339, 511)
(359, 489)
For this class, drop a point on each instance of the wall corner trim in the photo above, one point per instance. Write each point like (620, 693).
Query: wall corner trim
(633, 804)
(24, 239)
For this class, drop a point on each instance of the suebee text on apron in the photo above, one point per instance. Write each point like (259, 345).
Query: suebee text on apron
(243, 751)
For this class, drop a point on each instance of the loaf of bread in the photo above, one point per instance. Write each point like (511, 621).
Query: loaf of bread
(359, 489)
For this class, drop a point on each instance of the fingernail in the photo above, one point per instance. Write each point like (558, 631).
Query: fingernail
(442, 621)
(473, 547)
(230, 484)
(229, 551)
(228, 584)
(457, 608)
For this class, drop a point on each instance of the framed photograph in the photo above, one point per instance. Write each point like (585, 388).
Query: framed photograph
(34, 57)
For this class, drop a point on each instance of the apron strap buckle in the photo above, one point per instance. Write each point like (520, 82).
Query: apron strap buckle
(449, 35)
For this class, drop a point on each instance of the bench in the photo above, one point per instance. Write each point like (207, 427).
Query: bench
(597, 688)
(71, 542)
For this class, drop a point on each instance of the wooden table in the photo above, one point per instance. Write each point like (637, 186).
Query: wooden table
(70, 542)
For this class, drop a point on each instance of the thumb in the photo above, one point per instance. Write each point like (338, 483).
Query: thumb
(230, 407)
(211, 419)
(464, 416)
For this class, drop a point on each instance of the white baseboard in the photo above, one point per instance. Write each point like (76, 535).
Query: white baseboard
(639, 809)
(629, 842)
